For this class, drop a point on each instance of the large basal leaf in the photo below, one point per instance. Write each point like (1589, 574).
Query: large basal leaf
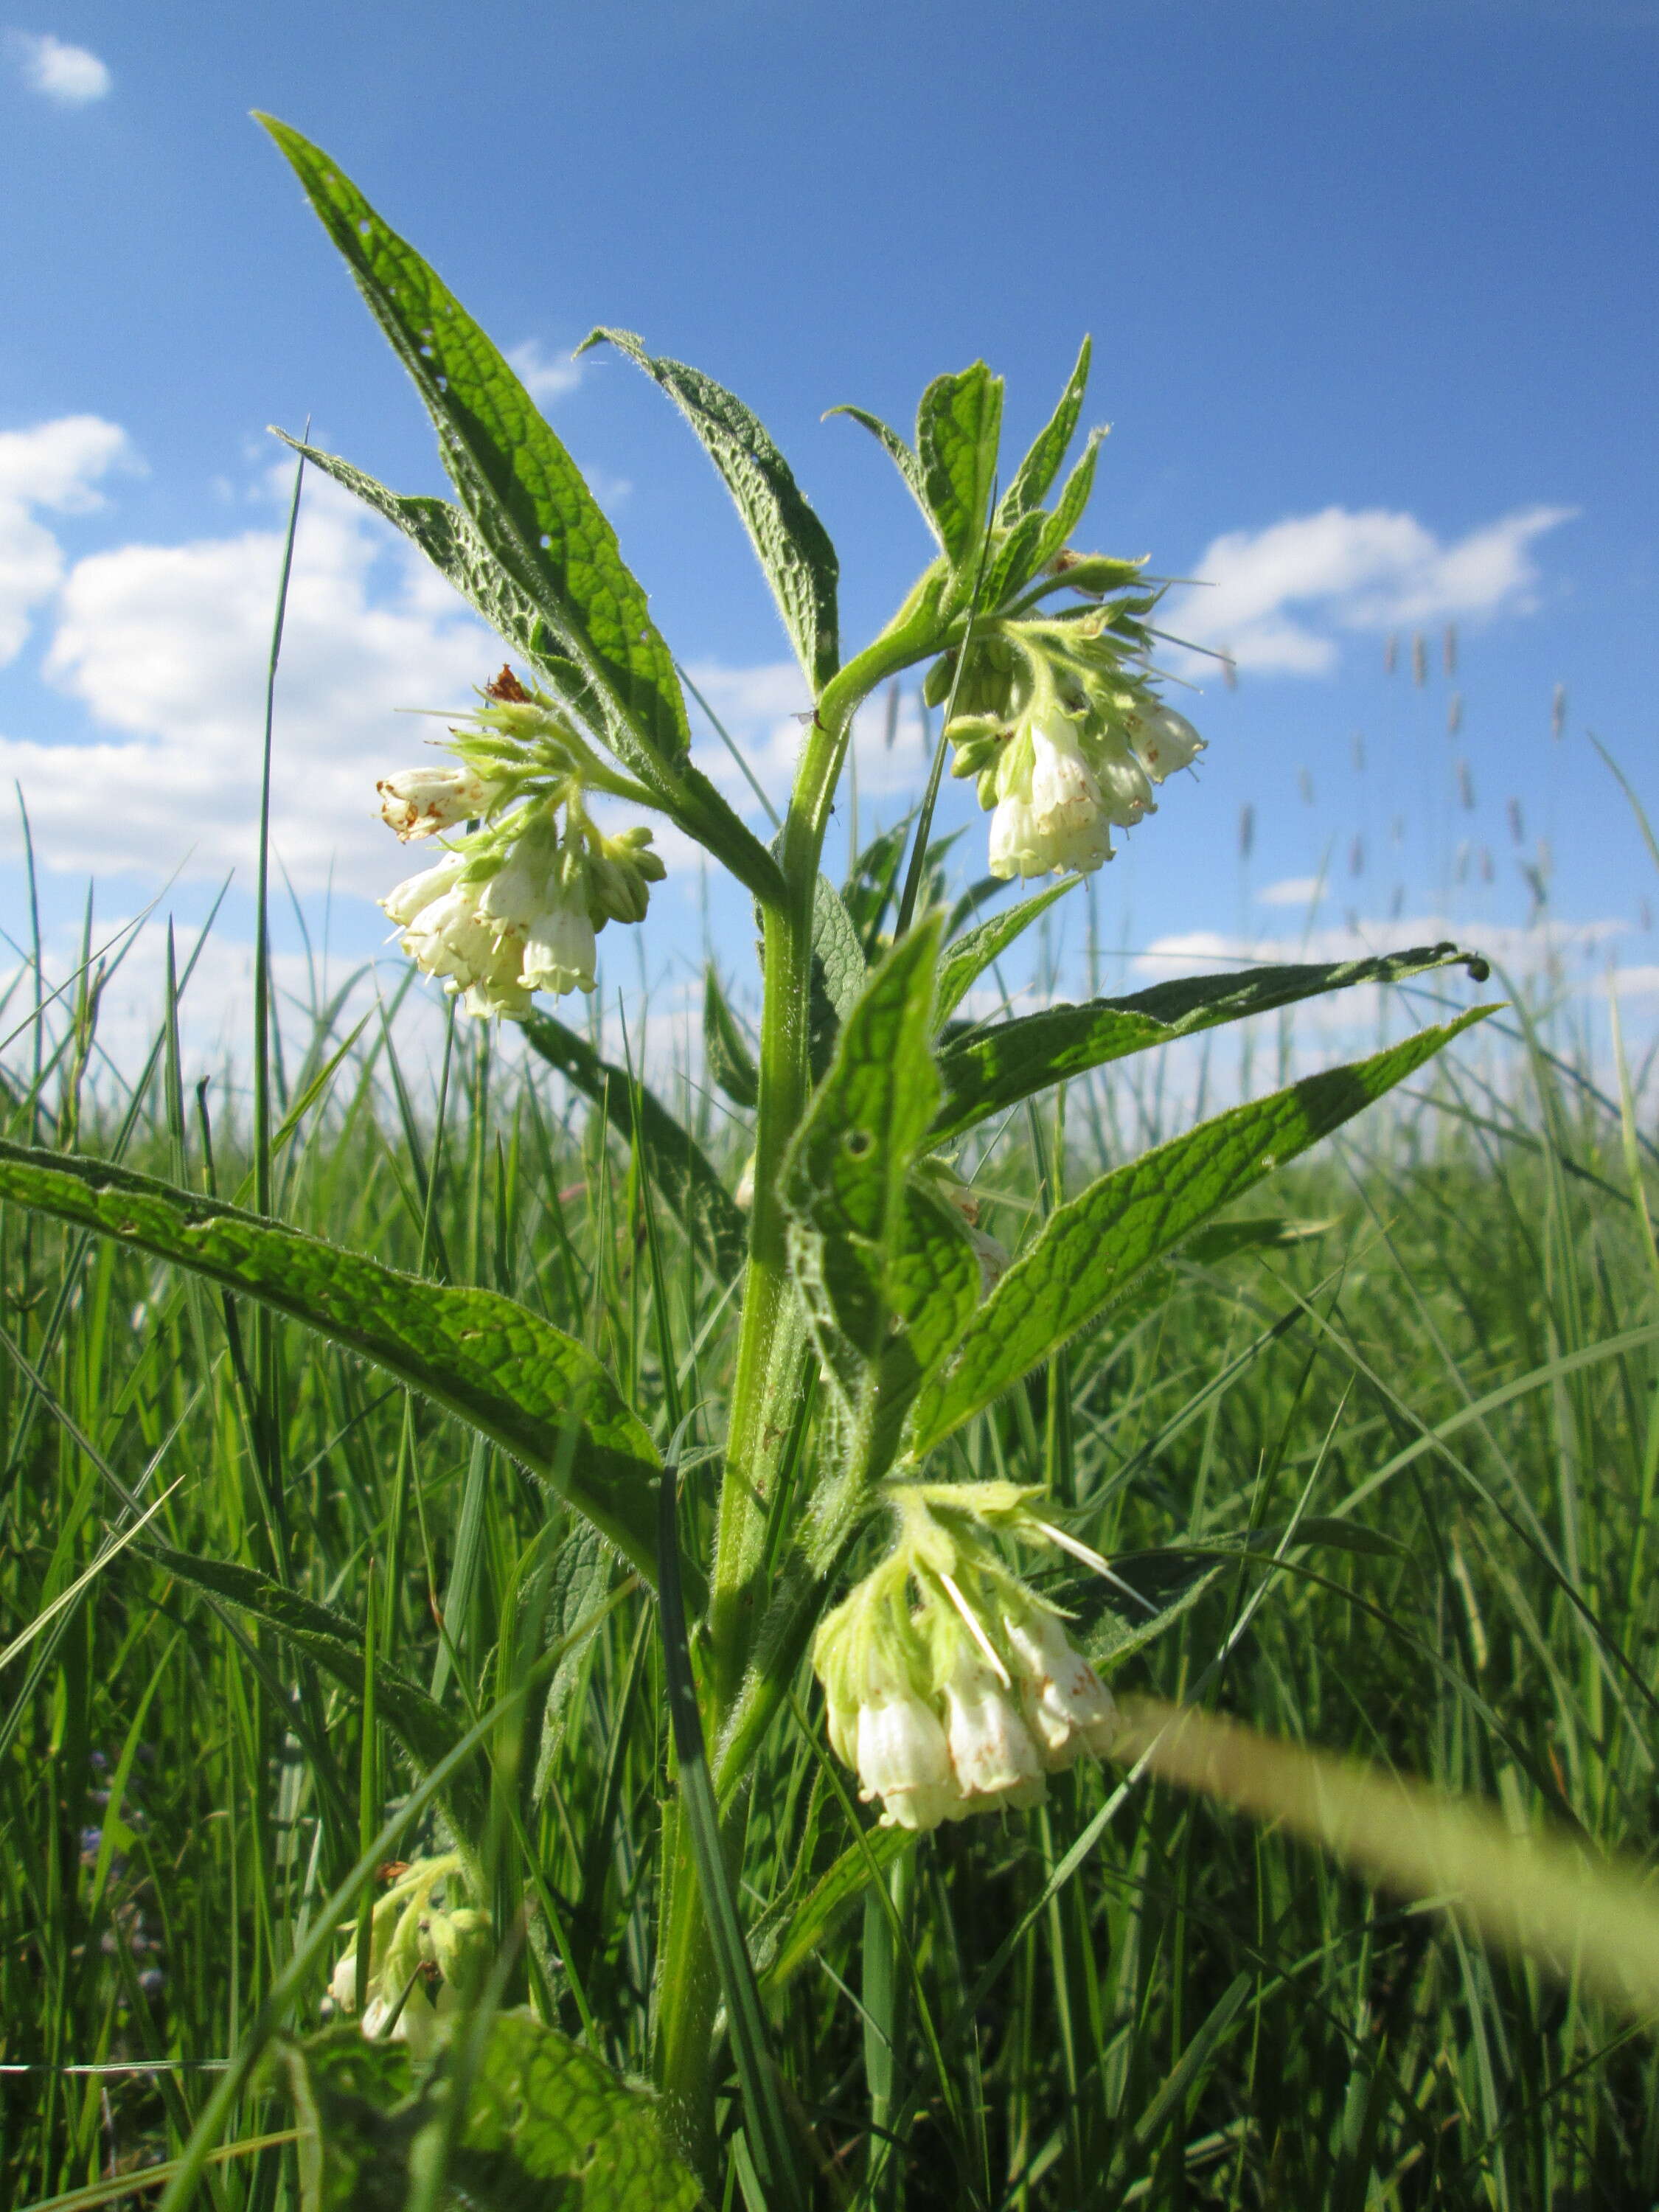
(677, 1165)
(1041, 464)
(543, 2126)
(957, 426)
(793, 546)
(531, 512)
(510, 1375)
(334, 1642)
(1090, 1248)
(997, 1067)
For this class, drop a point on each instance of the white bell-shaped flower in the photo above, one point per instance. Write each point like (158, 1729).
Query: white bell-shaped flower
(418, 802)
(1124, 791)
(1066, 797)
(991, 1748)
(1164, 741)
(1049, 813)
(903, 1760)
(1070, 1708)
(559, 949)
(407, 899)
(449, 938)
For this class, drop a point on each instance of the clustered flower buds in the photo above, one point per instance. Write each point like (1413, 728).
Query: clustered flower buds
(426, 1959)
(1066, 738)
(515, 904)
(950, 1685)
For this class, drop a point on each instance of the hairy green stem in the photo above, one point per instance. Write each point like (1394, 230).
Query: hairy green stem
(688, 1984)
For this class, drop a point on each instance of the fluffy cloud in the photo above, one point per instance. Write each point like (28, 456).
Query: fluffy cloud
(55, 465)
(167, 645)
(69, 75)
(1291, 890)
(541, 378)
(1270, 598)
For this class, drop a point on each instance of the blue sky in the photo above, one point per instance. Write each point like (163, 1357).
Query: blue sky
(1371, 292)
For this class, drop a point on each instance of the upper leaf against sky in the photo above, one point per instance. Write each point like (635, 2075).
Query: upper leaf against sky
(1041, 464)
(957, 426)
(531, 512)
(793, 546)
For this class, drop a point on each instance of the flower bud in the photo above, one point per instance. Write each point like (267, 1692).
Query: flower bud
(418, 802)
(462, 1945)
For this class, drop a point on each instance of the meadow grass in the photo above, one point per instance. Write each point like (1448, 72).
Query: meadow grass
(1437, 1378)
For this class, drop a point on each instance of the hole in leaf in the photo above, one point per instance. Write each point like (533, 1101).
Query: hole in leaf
(546, 541)
(365, 228)
(858, 1142)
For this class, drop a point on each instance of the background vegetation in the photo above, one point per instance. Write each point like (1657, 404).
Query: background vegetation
(1394, 1448)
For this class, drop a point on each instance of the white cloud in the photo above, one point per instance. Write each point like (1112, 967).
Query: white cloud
(545, 378)
(1271, 599)
(70, 75)
(167, 645)
(55, 465)
(1292, 890)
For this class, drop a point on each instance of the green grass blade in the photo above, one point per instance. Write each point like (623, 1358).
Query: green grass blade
(769, 2140)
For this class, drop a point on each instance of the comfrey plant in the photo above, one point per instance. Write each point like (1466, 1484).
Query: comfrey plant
(878, 1321)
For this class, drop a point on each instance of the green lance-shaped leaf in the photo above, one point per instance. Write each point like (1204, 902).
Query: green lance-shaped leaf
(334, 1642)
(903, 456)
(1090, 1248)
(838, 974)
(1073, 499)
(793, 546)
(443, 533)
(543, 2123)
(1041, 464)
(508, 1373)
(531, 513)
(967, 959)
(885, 1267)
(996, 1067)
(1015, 561)
(678, 1166)
(957, 426)
(726, 1051)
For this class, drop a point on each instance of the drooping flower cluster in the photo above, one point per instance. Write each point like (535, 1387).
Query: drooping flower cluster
(950, 1686)
(516, 902)
(1066, 741)
(426, 1959)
